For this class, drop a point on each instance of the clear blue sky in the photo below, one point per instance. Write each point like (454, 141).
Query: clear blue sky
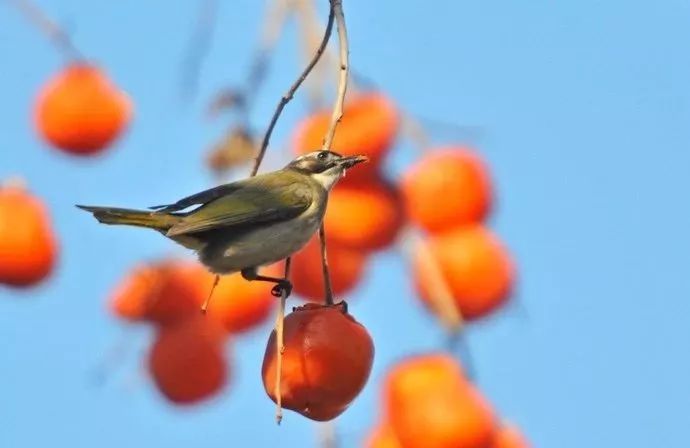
(584, 111)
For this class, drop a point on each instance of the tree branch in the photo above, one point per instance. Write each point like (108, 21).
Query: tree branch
(291, 92)
(344, 57)
(51, 29)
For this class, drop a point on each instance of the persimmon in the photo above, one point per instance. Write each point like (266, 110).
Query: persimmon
(429, 402)
(80, 110)
(509, 436)
(28, 247)
(187, 360)
(382, 436)
(345, 267)
(476, 267)
(326, 363)
(369, 126)
(365, 216)
(449, 187)
(161, 292)
(239, 304)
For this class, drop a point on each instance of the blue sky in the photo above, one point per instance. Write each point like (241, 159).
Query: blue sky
(583, 115)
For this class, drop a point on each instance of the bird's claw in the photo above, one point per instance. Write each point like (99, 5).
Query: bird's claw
(283, 287)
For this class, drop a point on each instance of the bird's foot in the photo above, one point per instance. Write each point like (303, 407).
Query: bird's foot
(283, 286)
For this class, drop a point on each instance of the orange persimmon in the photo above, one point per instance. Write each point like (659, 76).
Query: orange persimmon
(369, 126)
(382, 436)
(326, 363)
(346, 267)
(429, 402)
(28, 248)
(447, 188)
(476, 267)
(187, 360)
(239, 304)
(161, 292)
(366, 216)
(80, 110)
(509, 436)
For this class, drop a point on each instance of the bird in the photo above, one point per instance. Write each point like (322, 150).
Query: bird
(246, 224)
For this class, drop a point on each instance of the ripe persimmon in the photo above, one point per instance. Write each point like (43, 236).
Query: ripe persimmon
(187, 360)
(509, 436)
(161, 292)
(369, 126)
(239, 304)
(449, 187)
(366, 216)
(80, 111)
(28, 248)
(429, 403)
(382, 436)
(326, 362)
(345, 267)
(476, 267)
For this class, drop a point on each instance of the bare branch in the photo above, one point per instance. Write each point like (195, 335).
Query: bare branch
(337, 9)
(51, 29)
(328, 287)
(291, 92)
(280, 346)
(344, 56)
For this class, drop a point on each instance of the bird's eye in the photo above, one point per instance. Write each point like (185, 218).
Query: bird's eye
(322, 155)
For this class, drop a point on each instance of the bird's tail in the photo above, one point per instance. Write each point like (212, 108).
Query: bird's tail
(140, 218)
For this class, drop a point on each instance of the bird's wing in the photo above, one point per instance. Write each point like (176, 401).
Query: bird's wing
(256, 202)
(201, 198)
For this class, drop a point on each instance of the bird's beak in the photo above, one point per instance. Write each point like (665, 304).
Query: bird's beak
(349, 162)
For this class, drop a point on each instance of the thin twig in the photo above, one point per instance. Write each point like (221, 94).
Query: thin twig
(337, 9)
(440, 295)
(344, 56)
(291, 92)
(274, 23)
(327, 285)
(51, 29)
(198, 48)
(327, 437)
(280, 346)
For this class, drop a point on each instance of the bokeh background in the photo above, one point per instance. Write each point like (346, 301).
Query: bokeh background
(582, 111)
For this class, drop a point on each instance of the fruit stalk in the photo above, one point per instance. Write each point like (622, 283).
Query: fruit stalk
(344, 57)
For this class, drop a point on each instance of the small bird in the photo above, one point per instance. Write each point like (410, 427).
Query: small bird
(240, 226)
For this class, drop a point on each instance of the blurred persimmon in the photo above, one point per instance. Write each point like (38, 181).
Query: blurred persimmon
(382, 436)
(239, 304)
(369, 126)
(366, 216)
(187, 360)
(476, 267)
(509, 436)
(345, 267)
(80, 110)
(28, 248)
(161, 292)
(449, 187)
(326, 363)
(429, 403)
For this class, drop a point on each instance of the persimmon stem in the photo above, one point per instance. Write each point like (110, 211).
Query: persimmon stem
(337, 9)
(328, 287)
(47, 26)
(291, 92)
(280, 346)
(204, 306)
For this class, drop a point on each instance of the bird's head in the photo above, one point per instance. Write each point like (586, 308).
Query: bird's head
(326, 167)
